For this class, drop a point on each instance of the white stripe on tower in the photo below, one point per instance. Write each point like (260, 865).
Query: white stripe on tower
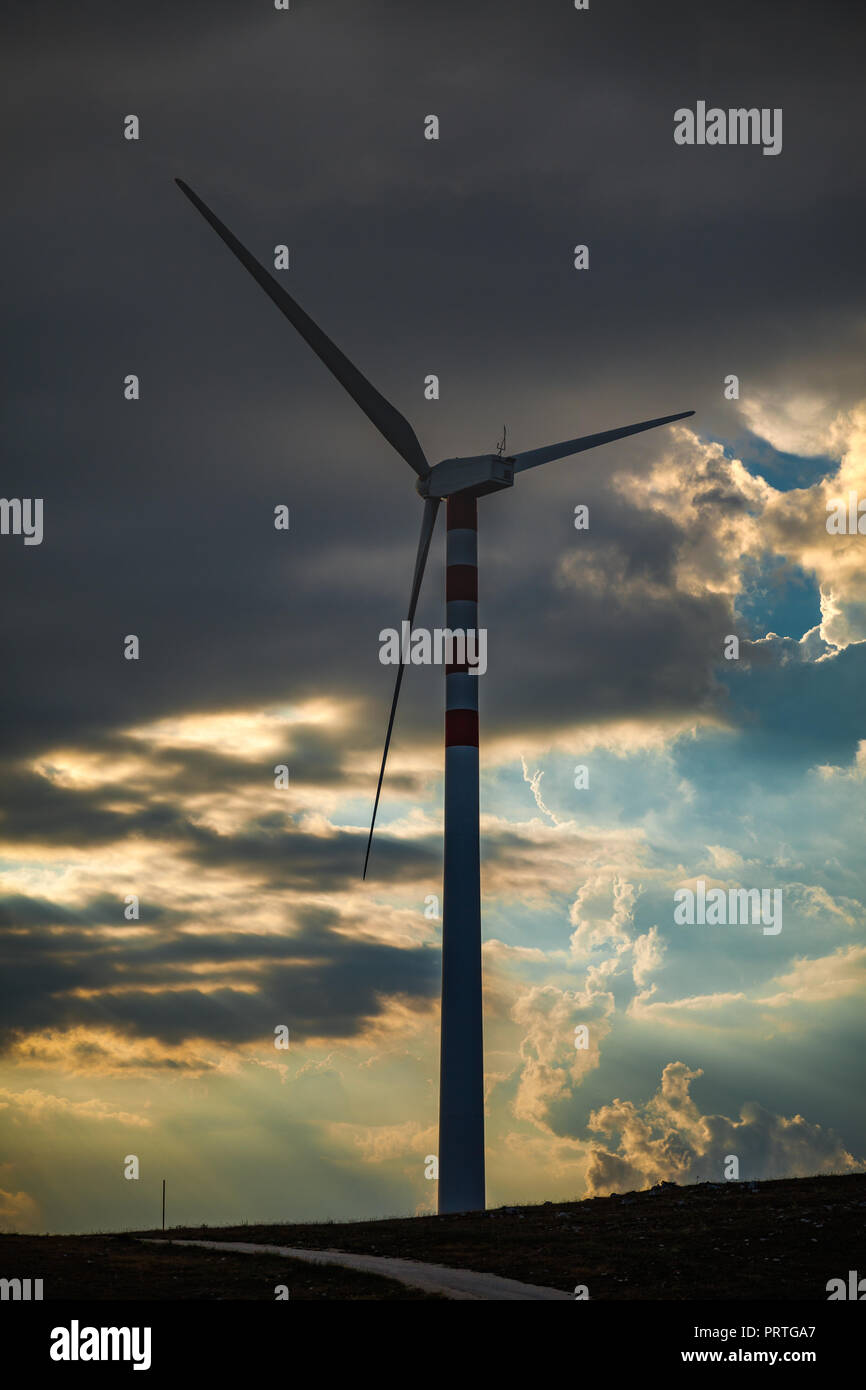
(461, 1085)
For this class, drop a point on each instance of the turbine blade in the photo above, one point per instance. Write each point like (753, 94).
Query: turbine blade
(534, 457)
(388, 420)
(428, 522)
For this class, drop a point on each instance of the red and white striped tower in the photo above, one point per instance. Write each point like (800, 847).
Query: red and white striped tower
(461, 1073)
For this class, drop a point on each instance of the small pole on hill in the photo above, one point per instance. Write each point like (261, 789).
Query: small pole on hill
(163, 1204)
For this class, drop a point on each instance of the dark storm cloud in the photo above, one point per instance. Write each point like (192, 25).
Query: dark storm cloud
(302, 861)
(17, 911)
(35, 807)
(272, 847)
(37, 811)
(800, 713)
(317, 980)
(315, 759)
(452, 257)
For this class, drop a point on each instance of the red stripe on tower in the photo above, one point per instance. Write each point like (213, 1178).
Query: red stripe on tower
(461, 728)
(461, 581)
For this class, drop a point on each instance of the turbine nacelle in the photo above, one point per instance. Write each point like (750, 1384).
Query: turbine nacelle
(476, 476)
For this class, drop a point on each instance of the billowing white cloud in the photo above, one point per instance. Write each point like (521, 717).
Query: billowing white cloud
(597, 920)
(804, 423)
(551, 1065)
(668, 1139)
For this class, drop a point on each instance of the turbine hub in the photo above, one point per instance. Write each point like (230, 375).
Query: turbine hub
(477, 476)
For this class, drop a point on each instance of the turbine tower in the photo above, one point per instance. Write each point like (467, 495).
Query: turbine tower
(460, 481)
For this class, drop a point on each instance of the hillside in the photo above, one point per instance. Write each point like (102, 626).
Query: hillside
(768, 1240)
(780, 1240)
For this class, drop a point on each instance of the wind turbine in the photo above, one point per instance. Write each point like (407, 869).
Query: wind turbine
(460, 481)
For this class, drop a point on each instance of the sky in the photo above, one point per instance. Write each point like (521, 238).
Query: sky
(154, 1037)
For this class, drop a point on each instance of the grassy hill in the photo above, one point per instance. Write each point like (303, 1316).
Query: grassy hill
(768, 1240)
